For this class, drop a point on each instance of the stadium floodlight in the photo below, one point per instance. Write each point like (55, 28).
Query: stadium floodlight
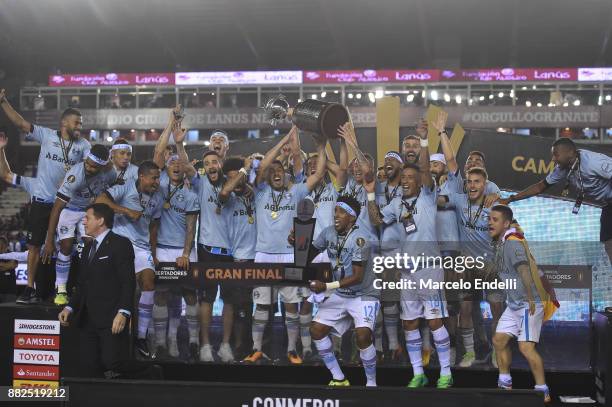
(528, 103)
(409, 98)
(433, 95)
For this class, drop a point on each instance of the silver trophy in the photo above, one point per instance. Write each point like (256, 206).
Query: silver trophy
(322, 119)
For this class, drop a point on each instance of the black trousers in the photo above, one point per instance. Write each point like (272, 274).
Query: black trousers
(101, 351)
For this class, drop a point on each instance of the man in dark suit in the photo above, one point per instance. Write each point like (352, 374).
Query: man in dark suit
(103, 302)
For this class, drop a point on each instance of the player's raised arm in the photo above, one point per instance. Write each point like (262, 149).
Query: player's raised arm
(449, 155)
(271, 156)
(179, 133)
(162, 142)
(313, 180)
(424, 166)
(18, 121)
(5, 170)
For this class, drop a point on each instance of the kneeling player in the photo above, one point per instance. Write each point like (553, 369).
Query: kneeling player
(353, 299)
(524, 313)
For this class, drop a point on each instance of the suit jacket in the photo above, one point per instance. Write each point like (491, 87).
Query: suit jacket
(105, 285)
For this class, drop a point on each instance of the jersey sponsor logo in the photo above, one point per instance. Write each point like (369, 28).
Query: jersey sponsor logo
(36, 357)
(36, 341)
(59, 159)
(37, 326)
(279, 208)
(36, 372)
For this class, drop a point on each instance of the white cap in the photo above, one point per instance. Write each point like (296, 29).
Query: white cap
(437, 157)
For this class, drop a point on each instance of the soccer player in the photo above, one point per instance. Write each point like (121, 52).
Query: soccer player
(121, 156)
(411, 148)
(352, 298)
(219, 143)
(177, 225)
(472, 216)
(82, 184)
(524, 313)
(60, 150)
(214, 245)
(238, 198)
(413, 216)
(588, 173)
(276, 203)
(138, 208)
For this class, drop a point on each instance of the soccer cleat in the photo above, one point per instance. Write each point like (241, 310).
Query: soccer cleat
(444, 382)
(504, 384)
(142, 347)
(206, 353)
(425, 356)
(173, 347)
(29, 296)
(255, 357)
(225, 353)
(417, 381)
(338, 383)
(61, 298)
(294, 358)
(468, 359)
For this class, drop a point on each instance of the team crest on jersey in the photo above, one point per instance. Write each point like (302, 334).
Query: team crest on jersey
(64, 229)
(71, 179)
(180, 198)
(360, 241)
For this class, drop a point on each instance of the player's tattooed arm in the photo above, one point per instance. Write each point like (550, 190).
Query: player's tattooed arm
(162, 142)
(313, 180)
(191, 220)
(424, 166)
(179, 133)
(231, 184)
(369, 184)
(105, 198)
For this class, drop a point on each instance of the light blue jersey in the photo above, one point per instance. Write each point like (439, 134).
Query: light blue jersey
(243, 226)
(421, 237)
(595, 172)
(173, 222)
(446, 223)
(150, 205)
(127, 175)
(51, 160)
(509, 255)
(28, 184)
(473, 223)
(359, 193)
(343, 251)
(324, 198)
(78, 190)
(214, 227)
(275, 211)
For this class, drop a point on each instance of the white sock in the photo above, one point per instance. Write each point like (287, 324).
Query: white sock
(160, 322)
(391, 322)
(326, 351)
(442, 342)
(62, 270)
(414, 344)
(145, 311)
(292, 321)
(368, 358)
(193, 324)
(260, 320)
(305, 321)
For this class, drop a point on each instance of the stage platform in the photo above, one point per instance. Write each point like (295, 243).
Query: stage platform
(243, 385)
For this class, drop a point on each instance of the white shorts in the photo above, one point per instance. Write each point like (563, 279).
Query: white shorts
(420, 302)
(340, 312)
(143, 259)
(268, 295)
(70, 220)
(521, 325)
(167, 255)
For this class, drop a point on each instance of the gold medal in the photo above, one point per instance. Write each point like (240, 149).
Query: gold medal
(251, 220)
(166, 205)
(565, 192)
(274, 214)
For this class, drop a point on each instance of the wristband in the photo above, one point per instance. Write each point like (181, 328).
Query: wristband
(371, 196)
(243, 171)
(332, 286)
(424, 143)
